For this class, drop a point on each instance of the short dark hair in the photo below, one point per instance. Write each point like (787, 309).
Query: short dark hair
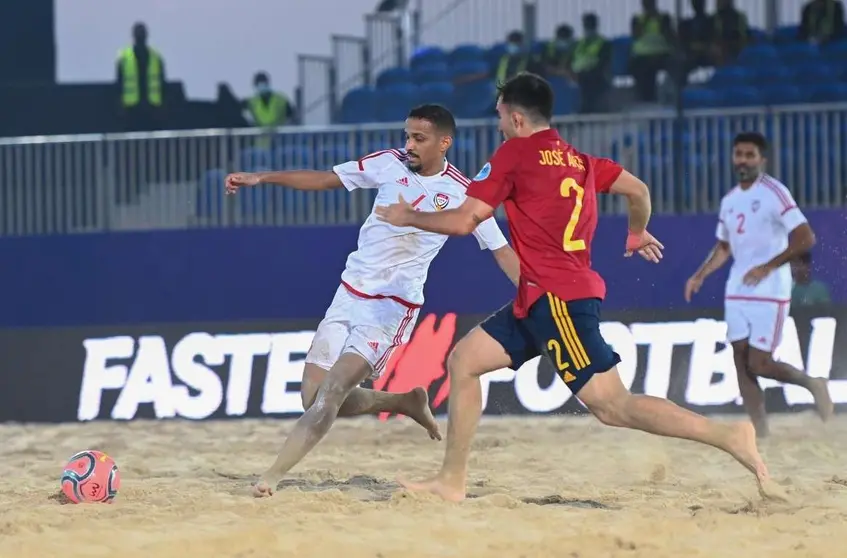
(436, 115)
(530, 92)
(564, 31)
(261, 76)
(755, 138)
(514, 37)
(590, 20)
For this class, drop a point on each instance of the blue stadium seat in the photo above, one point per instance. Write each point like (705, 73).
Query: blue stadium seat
(827, 92)
(431, 73)
(438, 92)
(835, 52)
(538, 47)
(495, 53)
(740, 96)
(761, 53)
(393, 76)
(782, 95)
(468, 68)
(813, 72)
(395, 101)
(695, 97)
(254, 158)
(787, 33)
(475, 100)
(566, 100)
(797, 52)
(466, 53)
(427, 56)
(772, 75)
(729, 76)
(210, 192)
(620, 55)
(359, 105)
(758, 35)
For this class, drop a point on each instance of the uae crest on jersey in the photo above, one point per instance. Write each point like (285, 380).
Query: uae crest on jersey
(441, 200)
(756, 205)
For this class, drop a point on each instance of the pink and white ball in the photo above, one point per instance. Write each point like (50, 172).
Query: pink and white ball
(91, 477)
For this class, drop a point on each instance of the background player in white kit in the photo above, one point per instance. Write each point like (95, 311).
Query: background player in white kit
(376, 306)
(762, 228)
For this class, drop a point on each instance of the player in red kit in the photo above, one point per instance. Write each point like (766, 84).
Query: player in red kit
(549, 190)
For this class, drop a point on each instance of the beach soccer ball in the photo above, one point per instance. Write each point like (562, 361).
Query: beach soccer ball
(89, 477)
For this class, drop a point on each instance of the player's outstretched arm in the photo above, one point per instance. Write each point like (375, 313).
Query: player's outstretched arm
(460, 221)
(638, 197)
(298, 179)
(714, 261)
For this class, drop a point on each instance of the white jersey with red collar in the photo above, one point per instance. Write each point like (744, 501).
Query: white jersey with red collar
(756, 223)
(391, 261)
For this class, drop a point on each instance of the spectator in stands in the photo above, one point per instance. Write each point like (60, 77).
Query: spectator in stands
(267, 108)
(822, 21)
(592, 66)
(141, 81)
(697, 35)
(517, 59)
(558, 54)
(732, 32)
(652, 46)
(807, 291)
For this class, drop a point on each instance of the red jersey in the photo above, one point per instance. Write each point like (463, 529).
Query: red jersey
(550, 193)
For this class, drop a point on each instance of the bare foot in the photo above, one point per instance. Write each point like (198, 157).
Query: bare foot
(416, 407)
(263, 489)
(823, 402)
(741, 444)
(446, 491)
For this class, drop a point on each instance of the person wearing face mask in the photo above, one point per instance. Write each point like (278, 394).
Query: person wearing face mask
(558, 53)
(141, 80)
(515, 60)
(592, 66)
(267, 108)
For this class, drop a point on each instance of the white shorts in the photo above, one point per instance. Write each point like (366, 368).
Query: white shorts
(759, 321)
(369, 327)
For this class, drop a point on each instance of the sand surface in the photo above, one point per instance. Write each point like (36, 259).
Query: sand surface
(554, 486)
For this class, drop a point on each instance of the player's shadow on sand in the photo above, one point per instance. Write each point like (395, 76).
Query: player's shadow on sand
(371, 489)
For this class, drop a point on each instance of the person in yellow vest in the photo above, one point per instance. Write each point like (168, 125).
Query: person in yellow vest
(732, 32)
(516, 59)
(822, 21)
(141, 81)
(592, 66)
(557, 55)
(652, 46)
(267, 108)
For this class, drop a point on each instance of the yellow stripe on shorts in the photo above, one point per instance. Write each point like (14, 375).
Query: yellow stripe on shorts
(564, 332)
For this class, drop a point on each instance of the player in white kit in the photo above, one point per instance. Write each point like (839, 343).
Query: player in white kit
(376, 306)
(763, 230)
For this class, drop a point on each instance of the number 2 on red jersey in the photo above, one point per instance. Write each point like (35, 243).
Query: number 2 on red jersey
(569, 187)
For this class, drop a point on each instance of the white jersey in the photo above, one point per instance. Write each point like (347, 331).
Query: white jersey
(394, 261)
(756, 223)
